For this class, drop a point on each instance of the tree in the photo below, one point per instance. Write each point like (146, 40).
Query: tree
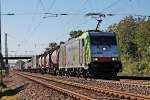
(134, 40)
(53, 45)
(125, 30)
(74, 34)
(61, 43)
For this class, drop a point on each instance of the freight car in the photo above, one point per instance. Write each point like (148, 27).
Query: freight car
(46, 62)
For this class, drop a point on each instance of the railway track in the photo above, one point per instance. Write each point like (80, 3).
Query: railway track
(131, 86)
(82, 91)
(128, 83)
(135, 80)
(69, 90)
(139, 83)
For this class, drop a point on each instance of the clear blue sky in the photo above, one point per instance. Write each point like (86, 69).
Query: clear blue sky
(29, 33)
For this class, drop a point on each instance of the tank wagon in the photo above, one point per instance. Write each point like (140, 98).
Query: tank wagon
(27, 65)
(34, 63)
(93, 54)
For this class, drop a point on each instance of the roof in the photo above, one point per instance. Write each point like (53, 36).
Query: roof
(102, 33)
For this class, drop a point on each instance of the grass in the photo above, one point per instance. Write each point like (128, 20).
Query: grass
(9, 98)
(3, 73)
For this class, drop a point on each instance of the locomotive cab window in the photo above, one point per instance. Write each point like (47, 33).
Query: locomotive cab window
(103, 40)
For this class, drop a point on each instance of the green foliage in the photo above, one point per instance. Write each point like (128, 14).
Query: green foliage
(134, 40)
(53, 45)
(141, 66)
(74, 34)
(3, 72)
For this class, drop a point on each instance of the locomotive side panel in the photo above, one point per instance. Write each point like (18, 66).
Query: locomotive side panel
(62, 56)
(73, 54)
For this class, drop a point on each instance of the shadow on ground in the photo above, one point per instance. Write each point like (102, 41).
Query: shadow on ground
(12, 92)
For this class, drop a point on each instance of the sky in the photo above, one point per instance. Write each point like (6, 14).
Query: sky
(30, 33)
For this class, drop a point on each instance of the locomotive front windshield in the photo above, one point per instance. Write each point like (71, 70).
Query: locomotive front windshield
(103, 40)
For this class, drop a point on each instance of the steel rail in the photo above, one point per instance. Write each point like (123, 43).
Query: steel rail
(61, 90)
(120, 94)
(125, 83)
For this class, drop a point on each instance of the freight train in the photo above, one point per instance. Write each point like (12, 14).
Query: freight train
(93, 54)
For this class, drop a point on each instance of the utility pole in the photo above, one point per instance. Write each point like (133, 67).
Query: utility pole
(6, 56)
(6, 49)
(1, 56)
(0, 29)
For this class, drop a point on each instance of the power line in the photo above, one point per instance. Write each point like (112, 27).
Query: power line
(111, 5)
(41, 2)
(12, 37)
(68, 22)
(42, 20)
(26, 13)
(75, 13)
(32, 19)
(51, 5)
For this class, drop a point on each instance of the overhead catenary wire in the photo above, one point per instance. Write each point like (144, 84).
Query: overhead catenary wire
(51, 5)
(12, 37)
(108, 7)
(42, 4)
(28, 32)
(42, 20)
(111, 5)
(29, 29)
(76, 12)
(103, 10)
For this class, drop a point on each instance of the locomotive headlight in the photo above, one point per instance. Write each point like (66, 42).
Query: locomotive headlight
(114, 59)
(95, 59)
(104, 49)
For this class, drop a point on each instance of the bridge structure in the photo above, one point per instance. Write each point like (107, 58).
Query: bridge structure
(14, 57)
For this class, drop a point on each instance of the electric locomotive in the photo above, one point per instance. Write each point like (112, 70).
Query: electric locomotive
(94, 54)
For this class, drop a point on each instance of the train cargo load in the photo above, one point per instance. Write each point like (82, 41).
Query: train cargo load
(54, 57)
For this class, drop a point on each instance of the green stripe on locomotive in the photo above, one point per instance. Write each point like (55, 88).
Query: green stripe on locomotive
(87, 45)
